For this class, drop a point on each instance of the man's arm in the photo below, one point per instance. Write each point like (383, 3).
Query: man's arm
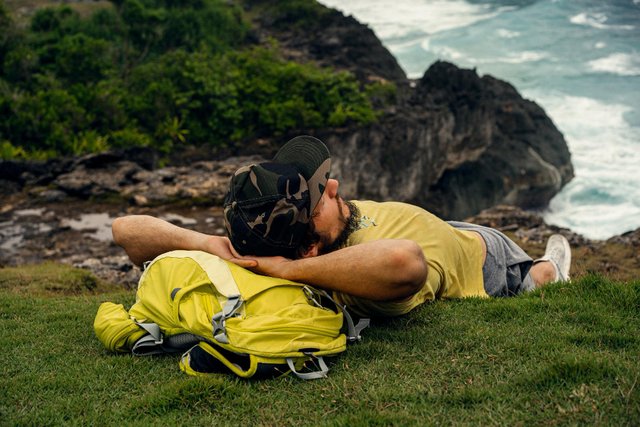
(144, 237)
(380, 270)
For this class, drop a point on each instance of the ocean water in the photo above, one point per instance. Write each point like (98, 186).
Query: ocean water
(578, 59)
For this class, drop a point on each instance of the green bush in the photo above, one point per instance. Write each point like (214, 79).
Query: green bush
(46, 120)
(6, 29)
(231, 96)
(9, 151)
(82, 59)
(129, 137)
(159, 73)
(54, 22)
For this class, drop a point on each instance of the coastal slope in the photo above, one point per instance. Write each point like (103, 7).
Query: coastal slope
(452, 142)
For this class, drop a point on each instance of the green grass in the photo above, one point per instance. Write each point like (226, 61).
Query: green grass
(568, 355)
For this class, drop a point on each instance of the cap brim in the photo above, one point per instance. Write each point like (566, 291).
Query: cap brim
(312, 159)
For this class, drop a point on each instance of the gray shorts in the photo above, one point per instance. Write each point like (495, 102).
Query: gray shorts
(506, 268)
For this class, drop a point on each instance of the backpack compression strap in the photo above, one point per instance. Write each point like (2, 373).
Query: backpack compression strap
(231, 306)
(353, 330)
(154, 342)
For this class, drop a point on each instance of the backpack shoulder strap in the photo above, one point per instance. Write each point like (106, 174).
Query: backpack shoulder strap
(215, 267)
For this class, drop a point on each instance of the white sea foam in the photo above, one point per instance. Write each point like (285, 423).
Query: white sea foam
(445, 52)
(525, 56)
(451, 54)
(507, 34)
(397, 18)
(604, 197)
(594, 221)
(623, 64)
(596, 20)
(601, 45)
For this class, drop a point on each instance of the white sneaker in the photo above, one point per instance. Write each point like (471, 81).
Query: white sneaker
(558, 252)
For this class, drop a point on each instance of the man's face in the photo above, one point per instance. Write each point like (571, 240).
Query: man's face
(330, 219)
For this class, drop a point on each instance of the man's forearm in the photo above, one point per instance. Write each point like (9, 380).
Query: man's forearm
(378, 270)
(144, 237)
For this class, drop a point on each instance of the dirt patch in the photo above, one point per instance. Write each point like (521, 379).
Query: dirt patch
(78, 233)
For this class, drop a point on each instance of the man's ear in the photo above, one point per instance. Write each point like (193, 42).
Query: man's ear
(312, 250)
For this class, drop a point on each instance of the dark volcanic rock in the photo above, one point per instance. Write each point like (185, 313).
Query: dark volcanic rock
(333, 40)
(454, 142)
(461, 144)
(31, 173)
(631, 238)
(502, 148)
(86, 181)
(201, 183)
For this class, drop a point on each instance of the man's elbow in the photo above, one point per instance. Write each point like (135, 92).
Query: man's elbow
(411, 267)
(123, 230)
(126, 228)
(119, 230)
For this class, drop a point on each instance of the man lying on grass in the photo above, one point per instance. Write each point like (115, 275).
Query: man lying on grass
(285, 219)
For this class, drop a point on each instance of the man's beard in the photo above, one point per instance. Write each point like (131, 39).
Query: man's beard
(350, 225)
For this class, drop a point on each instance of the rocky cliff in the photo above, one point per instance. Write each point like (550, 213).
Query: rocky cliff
(454, 142)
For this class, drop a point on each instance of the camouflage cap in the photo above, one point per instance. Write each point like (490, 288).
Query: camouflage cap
(269, 205)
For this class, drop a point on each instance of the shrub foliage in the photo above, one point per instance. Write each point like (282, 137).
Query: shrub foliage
(158, 73)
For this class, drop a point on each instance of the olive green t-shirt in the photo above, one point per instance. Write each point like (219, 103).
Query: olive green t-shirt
(454, 257)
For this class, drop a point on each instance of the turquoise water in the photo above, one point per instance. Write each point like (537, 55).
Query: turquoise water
(579, 60)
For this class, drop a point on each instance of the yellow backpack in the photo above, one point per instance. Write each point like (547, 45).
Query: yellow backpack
(227, 318)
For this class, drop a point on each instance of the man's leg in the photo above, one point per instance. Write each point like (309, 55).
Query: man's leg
(506, 267)
(554, 266)
(542, 273)
(508, 270)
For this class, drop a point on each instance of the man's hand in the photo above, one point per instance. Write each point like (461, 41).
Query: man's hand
(273, 266)
(222, 247)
